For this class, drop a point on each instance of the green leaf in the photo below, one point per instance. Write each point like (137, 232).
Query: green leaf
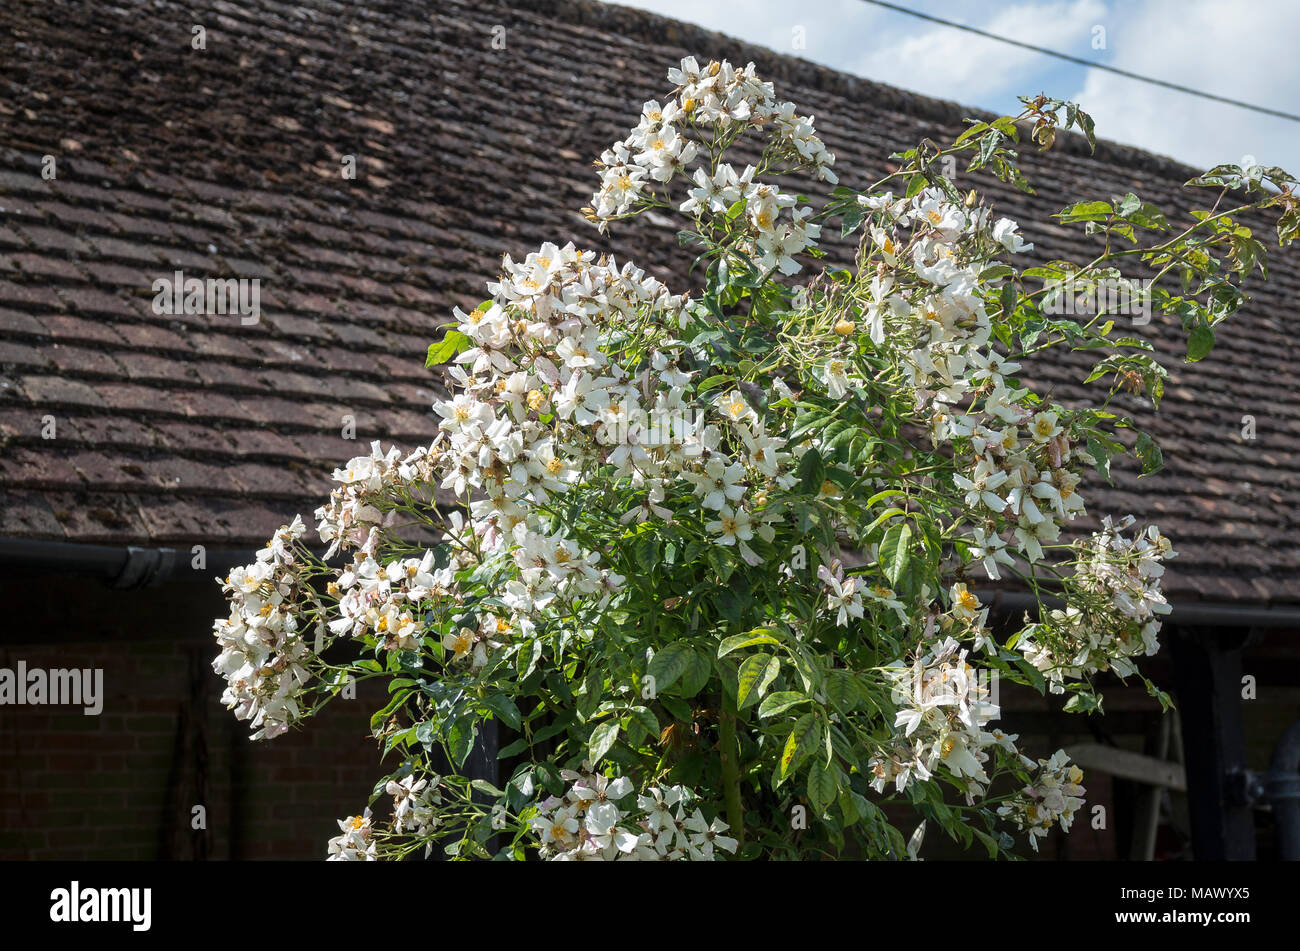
(823, 786)
(842, 689)
(1102, 455)
(779, 702)
(996, 271)
(712, 383)
(1288, 227)
(1007, 126)
(679, 709)
(803, 738)
(1086, 211)
(526, 659)
(483, 786)
(602, 738)
(696, 674)
(1077, 116)
(1229, 175)
(1149, 454)
(849, 807)
(1200, 341)
(592, 691)
(882, 495)
(460, 739)
(1081, 703)
(759, 635)
(451, 344)
(811, 472)
(884, 516)
(807, 668)
(894, 552)
(990, 843)
(974, 130)
(852, 220)
(669, 664)
(645, 549)
(505, 709)
(721, 562)
(988, 147)
(513, 749)
(1166, 701)
(645, 716)
(755, 676)
(379, 716)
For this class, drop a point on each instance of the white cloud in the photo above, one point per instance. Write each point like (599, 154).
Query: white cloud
(1209, 45)
(1245, 51)
(953, 64)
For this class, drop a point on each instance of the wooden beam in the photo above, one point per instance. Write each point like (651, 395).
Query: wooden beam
(1128, 765)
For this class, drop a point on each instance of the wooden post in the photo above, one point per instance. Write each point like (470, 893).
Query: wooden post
(1207, 669)
(1147, 825)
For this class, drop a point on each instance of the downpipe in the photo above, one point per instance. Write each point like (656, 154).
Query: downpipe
(1282, 790)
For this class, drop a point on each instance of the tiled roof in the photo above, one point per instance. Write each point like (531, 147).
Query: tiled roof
(226, 162)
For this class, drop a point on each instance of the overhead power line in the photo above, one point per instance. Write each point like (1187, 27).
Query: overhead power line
(1083, 62)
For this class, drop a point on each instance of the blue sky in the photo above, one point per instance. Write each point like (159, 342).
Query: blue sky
(1244, 49)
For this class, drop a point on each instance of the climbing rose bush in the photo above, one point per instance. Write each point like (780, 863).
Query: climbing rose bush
(716, 565)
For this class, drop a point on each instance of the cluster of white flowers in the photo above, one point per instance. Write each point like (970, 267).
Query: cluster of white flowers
(1129, 571)
(1023, 470)
(415, 804)
(844, 596)
(415, 813)
(261, 647)
(354, 507)
(1053, 797)
(1074, 642)
(540, 402)
(571, 366)
(719, 102)
(545, 396)
(587, 824)
(944, 708)
(385, 600)
(1023, 467)
(847, 598)
(580, 374)
(263, 654)
(355, 841)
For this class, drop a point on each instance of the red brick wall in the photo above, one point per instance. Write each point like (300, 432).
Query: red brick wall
(118, 786)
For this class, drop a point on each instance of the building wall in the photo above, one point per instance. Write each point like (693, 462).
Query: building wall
(122, 785)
